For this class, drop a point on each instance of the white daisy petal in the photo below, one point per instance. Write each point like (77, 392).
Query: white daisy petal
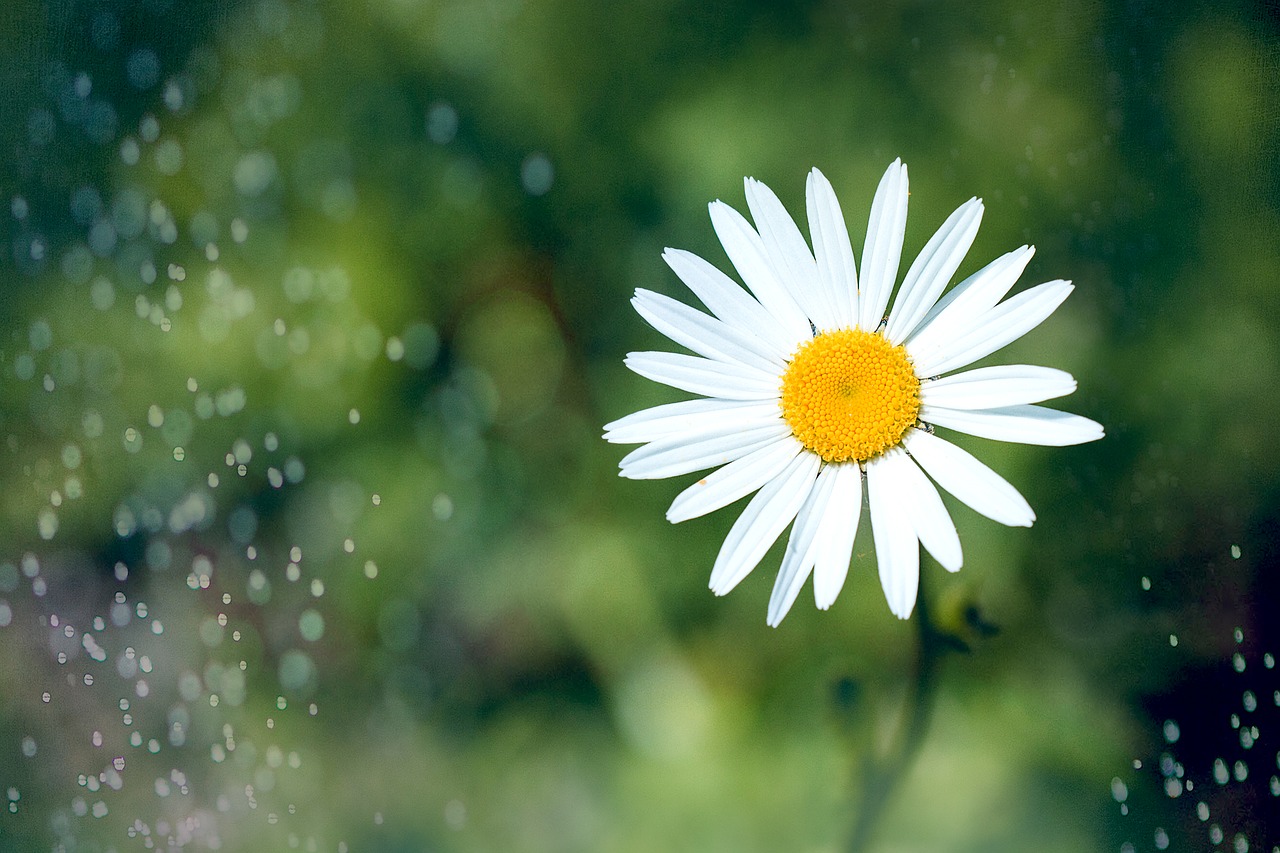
(691, 417)
(897, 549)
(972, 482)
(882, 251)
(999, 327)
(802, 546)
(1002, 385)
(839, 527)
(970, 299)
(704, 376)
(764, 519)
(932, 270)
(725, 298)
(684, 455)
(1021, 424)
(738, 479)
(747, 252)
(705, 335)
(923, 507)
(787, 251)
(837, 272)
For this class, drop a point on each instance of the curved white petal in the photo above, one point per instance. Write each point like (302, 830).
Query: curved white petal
(764, 519)
(970, 299)
(738, 479)
(971, 481)
(701, 333)
(924, 508)
(835, 540)
(833, 253)
(1002, 385)
(704, 376)
(932, 270)
(999, 327)
(786, 250)
(691, 417)
(801, 546)
(1021, 424)
(678, 455)
(725, 298)
(747, 252)
(897, 551)
(882, 251)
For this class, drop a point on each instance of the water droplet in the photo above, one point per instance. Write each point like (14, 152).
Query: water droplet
(537, 174)
(311, 625)
(442, 123)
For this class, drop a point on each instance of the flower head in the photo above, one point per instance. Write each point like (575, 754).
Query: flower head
(808, 389)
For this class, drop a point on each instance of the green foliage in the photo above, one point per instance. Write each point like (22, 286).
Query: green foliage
(313, 311)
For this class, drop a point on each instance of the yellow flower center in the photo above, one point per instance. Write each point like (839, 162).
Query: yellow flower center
(850, 394)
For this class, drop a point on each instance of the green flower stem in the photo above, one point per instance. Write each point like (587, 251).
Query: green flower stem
(882, 774)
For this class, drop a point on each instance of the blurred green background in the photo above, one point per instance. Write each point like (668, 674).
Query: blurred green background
(312, 313)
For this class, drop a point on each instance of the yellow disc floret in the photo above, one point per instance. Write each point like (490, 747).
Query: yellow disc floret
(850, 395)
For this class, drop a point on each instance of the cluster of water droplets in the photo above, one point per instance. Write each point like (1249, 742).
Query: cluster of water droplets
(162, 627)
(1223, 801)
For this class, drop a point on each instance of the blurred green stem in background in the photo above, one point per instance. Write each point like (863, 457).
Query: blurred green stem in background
(881, 774)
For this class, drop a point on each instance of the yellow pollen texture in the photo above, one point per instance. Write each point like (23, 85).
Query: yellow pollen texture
(850, 394)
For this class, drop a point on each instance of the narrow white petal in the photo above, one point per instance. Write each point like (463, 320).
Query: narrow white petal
(999, 327)
(897, 549)
(833, 252)
(788, 253)
(968, 300)
(972, 482)
(924, 508)
(691, 417)
(705, 335)
(932, 270)
(725, 298)
(763, 521)
(1021, 424)
(1002, 385)
(704, 376)
(801, 546)
(678, 455)
(839, 527)
(738, 479)
(882, 251)
(747, 252)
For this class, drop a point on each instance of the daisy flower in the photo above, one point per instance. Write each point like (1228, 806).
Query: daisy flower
(809, 390)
